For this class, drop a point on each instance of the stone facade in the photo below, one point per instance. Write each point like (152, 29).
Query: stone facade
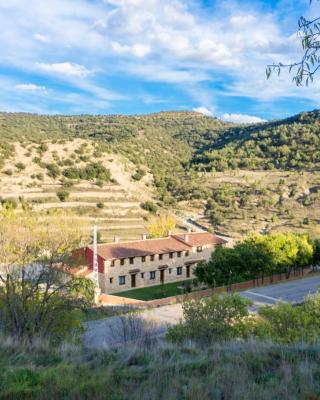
(124, 266)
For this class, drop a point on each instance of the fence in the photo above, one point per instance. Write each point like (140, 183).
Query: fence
(296, 274)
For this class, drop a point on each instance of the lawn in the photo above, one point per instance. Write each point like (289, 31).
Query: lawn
(154, 292)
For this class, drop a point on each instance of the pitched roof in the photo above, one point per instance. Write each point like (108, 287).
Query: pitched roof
(174, 243)
(201, 239)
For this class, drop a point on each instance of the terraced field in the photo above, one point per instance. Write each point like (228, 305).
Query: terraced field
(115, 206)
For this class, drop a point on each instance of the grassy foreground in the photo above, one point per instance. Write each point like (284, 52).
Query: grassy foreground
(161, 371)
(154, 292)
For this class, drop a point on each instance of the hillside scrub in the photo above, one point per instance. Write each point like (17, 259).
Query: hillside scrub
(160, 371)
(225, 317)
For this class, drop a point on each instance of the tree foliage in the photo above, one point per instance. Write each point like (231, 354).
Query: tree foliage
(308, 66)
(161, 225)
(257, 256)
(37, 297)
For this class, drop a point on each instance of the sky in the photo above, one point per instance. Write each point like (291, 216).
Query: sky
(143, 56)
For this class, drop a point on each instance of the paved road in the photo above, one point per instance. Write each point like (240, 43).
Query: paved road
(292, 291)
(110, 331)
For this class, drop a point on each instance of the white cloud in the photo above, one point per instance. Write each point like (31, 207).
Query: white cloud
(31, 87)
(65, 69)
(41, 38)
(204, 111)
(138, 49)
(241, 118)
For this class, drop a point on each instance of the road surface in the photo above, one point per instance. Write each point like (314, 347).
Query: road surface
(108, 331)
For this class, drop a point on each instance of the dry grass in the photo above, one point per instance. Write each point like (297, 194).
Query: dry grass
(155, 370)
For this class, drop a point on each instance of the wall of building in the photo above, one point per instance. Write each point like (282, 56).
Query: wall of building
(170, 273)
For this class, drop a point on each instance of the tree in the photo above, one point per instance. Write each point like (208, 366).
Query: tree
(257, 256)
(37, 297)
(308, 66)
(160, 226)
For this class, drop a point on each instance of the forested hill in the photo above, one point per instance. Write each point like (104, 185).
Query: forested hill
(292, 143)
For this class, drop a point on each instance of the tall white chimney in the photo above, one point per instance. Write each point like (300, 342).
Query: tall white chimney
(169, 233)
(116, 239)
(143, 236)
(186, 238)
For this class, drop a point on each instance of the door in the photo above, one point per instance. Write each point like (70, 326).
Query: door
(188, 271)
(133, 280)
(162, 275)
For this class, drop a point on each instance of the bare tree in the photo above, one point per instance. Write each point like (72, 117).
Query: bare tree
(305, 69)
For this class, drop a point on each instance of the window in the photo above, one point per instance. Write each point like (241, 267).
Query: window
(122, 261)
(110, 280)
(199, 249)
(170, 255)
(122, 280)
(142, 275)
(160, 256)
(143, 258)
(131, 260)
(113, 263)
(152, 274)
(179, 254)
(170, 270)
(179, 270)
(187, 253)
(152, 258)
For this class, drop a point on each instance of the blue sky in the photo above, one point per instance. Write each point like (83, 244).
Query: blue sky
(141, 56)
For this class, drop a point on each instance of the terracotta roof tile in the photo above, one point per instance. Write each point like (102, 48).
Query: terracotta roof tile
(174, 243)
(201, 239)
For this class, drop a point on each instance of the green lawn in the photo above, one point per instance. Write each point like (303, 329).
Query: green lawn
(154, 292)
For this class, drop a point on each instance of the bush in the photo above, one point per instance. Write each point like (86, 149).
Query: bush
(20, 166)
(149, 206)
(220, 317)
(140, 173)
(63, 195)
(100, 205)
(287, 323)
(53, 170)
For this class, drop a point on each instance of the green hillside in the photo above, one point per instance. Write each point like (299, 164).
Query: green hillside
(243, 178)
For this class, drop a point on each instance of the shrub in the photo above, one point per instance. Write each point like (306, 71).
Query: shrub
(288, 323)
(140, 173)
(53, 170)
(149, 206)
(220, 317)
(63, 195)
(20, 166)
(100, 205)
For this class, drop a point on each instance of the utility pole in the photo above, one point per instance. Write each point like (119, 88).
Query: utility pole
(95, 264)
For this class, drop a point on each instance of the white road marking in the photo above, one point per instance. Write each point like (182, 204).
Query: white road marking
(262, 295)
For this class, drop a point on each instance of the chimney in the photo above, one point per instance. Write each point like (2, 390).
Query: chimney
(169, 233)
(189, 230)
(143, 236)
(116, 239)
(186, 238)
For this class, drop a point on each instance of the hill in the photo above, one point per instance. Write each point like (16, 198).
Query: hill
(240, 178)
